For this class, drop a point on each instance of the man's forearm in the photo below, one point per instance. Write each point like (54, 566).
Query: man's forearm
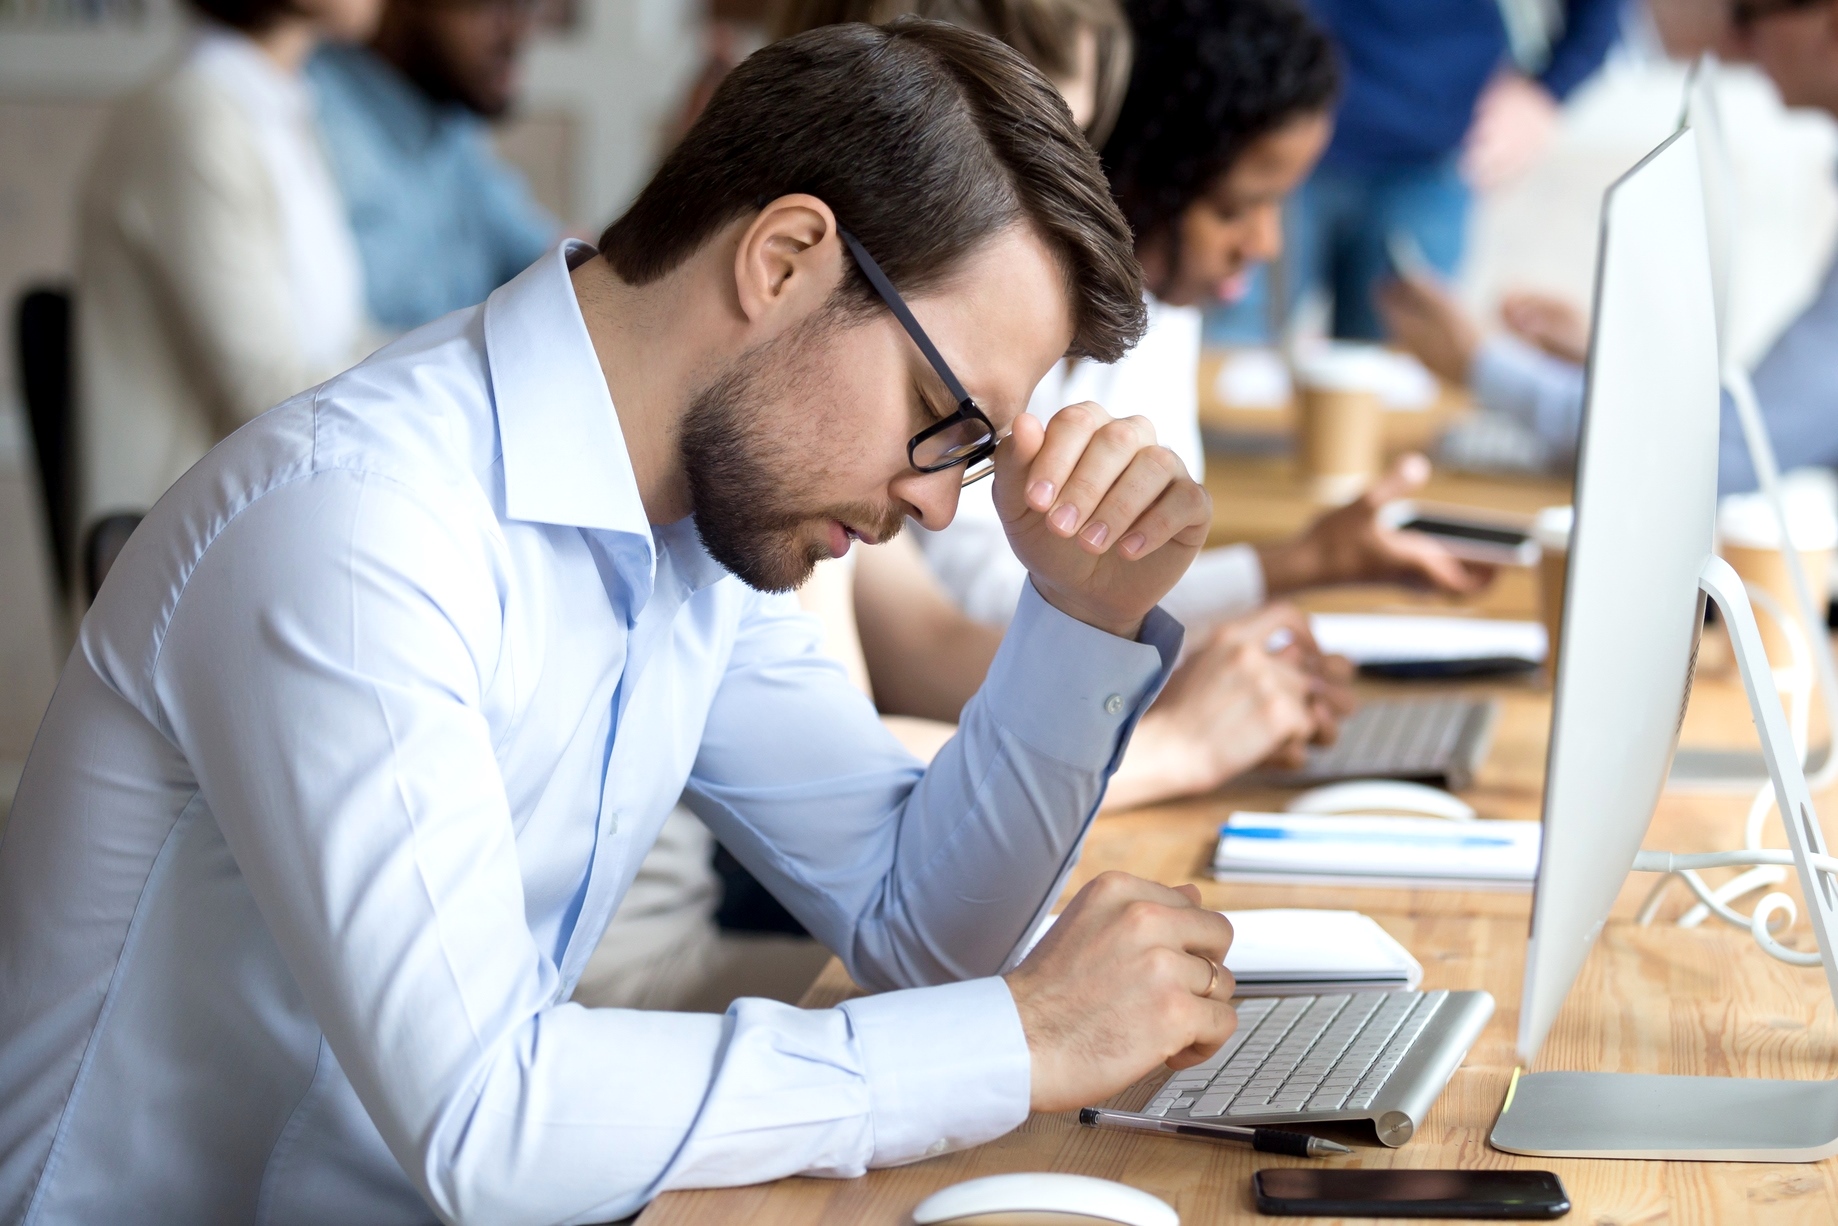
(988, 833)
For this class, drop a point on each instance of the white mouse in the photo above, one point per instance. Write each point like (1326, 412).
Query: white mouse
(1042, 1199)
(1382, 796)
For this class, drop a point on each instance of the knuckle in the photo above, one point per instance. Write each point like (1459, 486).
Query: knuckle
(1108, 883)
(1141, 920)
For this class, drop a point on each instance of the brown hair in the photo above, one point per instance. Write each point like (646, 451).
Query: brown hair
(925, 139)
(1045, 31)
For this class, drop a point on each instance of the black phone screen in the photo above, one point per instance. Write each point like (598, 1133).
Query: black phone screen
(1510, 537)
(1301, 1191)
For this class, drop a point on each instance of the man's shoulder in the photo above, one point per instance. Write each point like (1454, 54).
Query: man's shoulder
(420, 408)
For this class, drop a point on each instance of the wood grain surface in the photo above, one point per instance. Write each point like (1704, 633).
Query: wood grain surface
(1657, 999)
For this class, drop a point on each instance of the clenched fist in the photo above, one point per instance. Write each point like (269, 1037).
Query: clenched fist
(1129, 977)
(1105, 520)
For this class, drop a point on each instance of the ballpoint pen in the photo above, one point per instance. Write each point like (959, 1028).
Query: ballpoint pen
(1267, 1140)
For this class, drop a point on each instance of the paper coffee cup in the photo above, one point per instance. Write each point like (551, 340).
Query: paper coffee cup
(1551, 529)
(1749, 539)
(1339, 443)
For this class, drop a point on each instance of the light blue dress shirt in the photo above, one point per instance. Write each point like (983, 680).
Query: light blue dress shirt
(374, 721)
(1796, 385)
(440, 219)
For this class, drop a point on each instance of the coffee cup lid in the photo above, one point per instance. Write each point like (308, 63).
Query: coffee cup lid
(1748, 520)
(1551, 527)
(1337, 366)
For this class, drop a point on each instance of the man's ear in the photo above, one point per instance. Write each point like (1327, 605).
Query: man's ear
(788, 261)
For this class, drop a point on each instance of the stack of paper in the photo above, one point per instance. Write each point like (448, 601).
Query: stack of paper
(1284, 952)
(1300, 848)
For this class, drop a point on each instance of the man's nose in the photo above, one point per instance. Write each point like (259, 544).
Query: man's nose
(932, 496)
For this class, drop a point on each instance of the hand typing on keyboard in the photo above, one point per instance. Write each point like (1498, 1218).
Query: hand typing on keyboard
(1128, 978)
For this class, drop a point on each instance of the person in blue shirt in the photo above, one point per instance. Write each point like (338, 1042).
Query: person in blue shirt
(1538, 377)
(440, 219)
(1439, 99)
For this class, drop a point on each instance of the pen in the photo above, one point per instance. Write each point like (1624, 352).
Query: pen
(1266, 1140)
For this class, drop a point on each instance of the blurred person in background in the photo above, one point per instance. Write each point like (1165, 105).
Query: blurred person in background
(441, 220)
(1229, 106)
(1443, 98)
(1535, 371)
(216, 273)
(1082, 46)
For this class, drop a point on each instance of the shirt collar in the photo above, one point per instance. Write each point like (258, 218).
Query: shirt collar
(565, 460)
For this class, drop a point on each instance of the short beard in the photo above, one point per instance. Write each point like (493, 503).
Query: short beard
(738, 471)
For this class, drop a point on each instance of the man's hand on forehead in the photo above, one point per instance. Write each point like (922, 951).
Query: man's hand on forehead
(1105, 519)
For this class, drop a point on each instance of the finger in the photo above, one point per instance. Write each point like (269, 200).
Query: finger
(1190, 891)
(1182, 516)
(1068, 437)
(1108, 454)
(1425, 560)
(1112, 892)
(1122, 507)
(1153, 503)
(1407, 474)
(1198, 930)
(1292, 754)
(1014, 455)
(1213, 1022)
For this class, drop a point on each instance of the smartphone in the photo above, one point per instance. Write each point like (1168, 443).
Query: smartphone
(1473, 536)
(1300, 1191)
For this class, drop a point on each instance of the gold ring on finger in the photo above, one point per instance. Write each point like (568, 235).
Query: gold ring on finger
(1212, 969)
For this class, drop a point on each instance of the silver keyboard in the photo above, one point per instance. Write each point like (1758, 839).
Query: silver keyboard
(1436, 740)
(1378, 1056)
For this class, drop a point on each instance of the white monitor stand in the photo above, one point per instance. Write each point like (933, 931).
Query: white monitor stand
(1703, 1119)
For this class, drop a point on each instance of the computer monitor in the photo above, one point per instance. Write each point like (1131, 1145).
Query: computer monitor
(1646, 502)
(1639, 560)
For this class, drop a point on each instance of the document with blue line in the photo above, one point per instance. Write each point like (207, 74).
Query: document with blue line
(1296, 848)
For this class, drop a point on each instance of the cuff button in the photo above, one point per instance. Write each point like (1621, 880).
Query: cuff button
(1114, 704)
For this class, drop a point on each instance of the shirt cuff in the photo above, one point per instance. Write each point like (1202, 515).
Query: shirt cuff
(947, 1067)
(1545, 393)
(1073, 691)
(1221, 583)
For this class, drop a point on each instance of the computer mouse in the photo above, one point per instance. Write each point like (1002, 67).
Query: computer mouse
(1382, 796)
(1043, 1199)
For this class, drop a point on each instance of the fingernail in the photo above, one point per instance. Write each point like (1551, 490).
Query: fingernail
(1095, 533)
(1040, 493)
(1065, 517)
(1133, 543)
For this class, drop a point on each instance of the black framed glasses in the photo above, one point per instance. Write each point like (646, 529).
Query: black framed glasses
(966, 437)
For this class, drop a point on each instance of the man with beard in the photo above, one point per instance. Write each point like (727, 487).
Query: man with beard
(440, 219)
(385, 701)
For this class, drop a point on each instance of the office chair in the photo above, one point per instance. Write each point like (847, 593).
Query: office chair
(42, 347)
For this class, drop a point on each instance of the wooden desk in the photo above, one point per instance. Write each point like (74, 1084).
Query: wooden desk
(1658, 999)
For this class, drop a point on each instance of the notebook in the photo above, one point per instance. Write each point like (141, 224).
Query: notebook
(1292, 952)
(1297, 848)
(1402, 645)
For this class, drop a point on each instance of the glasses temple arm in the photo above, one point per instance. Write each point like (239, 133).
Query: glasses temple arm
(897, 305)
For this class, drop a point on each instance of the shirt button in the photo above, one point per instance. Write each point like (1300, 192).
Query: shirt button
(1114, 704)
(937, 1147)
(612, 824)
